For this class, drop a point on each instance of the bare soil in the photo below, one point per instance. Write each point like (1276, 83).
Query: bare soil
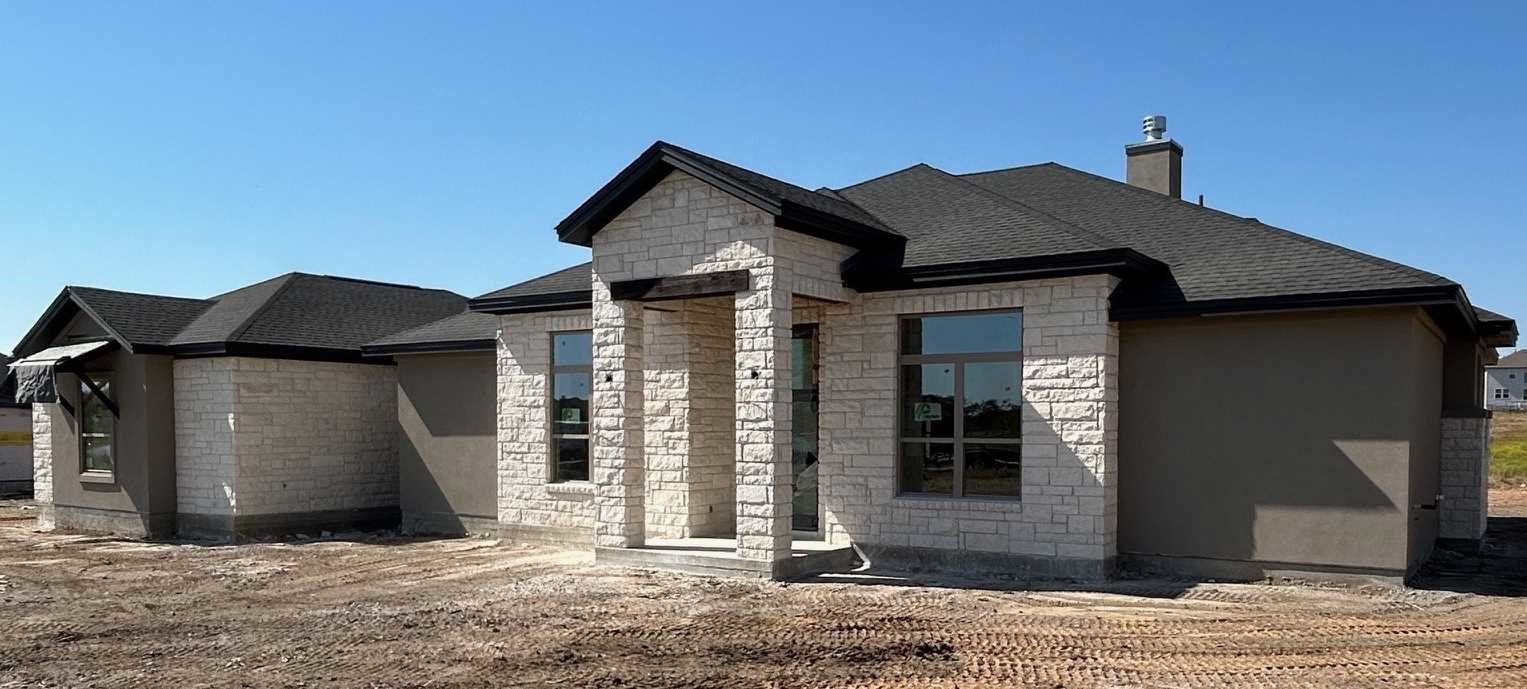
(81, 611)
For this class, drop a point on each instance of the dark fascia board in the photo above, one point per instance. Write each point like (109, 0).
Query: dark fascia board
(66, 298)
(1446, 303)
(681, 286)
(430, 347)
(534, 303)
(266, 351)
(659, 160)
(864, 274)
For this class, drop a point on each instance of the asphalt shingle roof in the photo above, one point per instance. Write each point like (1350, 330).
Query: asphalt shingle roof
(1517, 358)
(142, 318)
(1049, 210)
(468, 326)
(578, 278)
(293, 310)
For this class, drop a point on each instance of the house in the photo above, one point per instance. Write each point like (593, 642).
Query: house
(1034, 369)
(15, 438)
(248, 413)
(1506, 382)
(1029, 369)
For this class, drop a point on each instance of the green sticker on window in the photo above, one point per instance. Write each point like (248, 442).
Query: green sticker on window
(572, 415)
(927, 411)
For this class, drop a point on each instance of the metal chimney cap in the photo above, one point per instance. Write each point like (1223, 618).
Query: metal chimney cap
(1154, 127)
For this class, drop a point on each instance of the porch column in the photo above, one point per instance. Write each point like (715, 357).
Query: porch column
(618, 462)
(763, 417)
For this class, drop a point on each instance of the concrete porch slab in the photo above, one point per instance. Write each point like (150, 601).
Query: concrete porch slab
(718, 557)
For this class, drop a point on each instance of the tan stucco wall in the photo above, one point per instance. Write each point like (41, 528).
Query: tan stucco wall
(1279, 439)
(143, 486)
(447, 436)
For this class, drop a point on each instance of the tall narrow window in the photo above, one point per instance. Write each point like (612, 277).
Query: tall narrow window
(961, 405)
(98, 428)
(572, 375)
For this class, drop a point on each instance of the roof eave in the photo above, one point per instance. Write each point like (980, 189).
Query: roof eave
(533, 303)
(658, 161)
(440, 347)
(269, 351)
(66, 297)
(1448, 302)
(863, 273)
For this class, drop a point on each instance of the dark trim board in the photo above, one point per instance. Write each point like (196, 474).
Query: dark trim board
(681, 286)
(662, 158)
(869, 272)
(259, 351)
(442, 347)
(534, 303)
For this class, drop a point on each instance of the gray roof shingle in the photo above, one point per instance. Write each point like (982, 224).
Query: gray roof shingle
(468, 329)
(297, 310)
(578, 278)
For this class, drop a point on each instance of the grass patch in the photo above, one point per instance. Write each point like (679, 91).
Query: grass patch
(1508, 448)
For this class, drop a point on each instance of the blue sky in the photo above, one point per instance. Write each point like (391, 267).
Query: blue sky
(191, 148)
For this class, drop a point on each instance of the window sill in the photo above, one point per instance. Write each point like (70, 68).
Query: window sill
(102, 477)
(993, 503)
(571, 487)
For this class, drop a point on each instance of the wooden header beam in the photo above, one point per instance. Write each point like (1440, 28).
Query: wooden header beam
(680, 286)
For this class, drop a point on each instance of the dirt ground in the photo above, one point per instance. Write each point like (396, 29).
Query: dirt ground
(386, 612)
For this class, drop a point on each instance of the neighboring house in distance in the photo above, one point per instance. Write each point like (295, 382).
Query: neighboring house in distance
(1506, 382)
(248, 413)
(15, 437)
(1033, 369)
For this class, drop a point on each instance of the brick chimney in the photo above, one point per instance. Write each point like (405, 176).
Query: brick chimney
(1156, 163)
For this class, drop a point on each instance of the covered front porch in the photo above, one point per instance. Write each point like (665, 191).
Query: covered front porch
(703, 438)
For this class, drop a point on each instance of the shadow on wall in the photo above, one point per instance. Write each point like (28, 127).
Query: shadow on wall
(1273, 484)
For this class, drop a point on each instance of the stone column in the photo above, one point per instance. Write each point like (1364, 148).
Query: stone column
(763, 417)
(616, 444)
(42, 461)
(1465, 478)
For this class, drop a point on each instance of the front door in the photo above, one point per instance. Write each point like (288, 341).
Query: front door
(803, 440)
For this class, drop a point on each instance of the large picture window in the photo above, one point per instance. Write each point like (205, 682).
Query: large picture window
(572, 376)
(98, 427)
(961, 405)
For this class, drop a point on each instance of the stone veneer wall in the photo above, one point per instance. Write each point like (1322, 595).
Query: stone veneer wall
(1465, 480)
(1066, 520)
(689, 416)
(42, 461)
(529, 505)
(275, 436)
(683, 226)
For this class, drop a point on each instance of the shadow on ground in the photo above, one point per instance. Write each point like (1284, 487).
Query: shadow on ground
(1497, 568)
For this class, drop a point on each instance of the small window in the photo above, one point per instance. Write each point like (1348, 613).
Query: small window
(572, 375)
(961, 415)
(98, 428)
(1502, 394)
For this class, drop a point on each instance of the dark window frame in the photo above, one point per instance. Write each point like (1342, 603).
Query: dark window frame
(958, 441)
(553, 436)
(104, 380)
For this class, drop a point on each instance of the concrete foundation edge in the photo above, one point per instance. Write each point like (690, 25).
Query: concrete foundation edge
(231, 528)
(446, 524)
(977, 563)
(1250, 570)
(578, 537)
(101, 521)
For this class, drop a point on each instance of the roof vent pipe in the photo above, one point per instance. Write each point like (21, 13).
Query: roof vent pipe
(1156, 162)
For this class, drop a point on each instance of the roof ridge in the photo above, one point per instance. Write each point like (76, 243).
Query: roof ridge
(1095, 238)
(136, 294)
(877, 178)
(238, 331)
(1010, 168)
(1365, 257)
